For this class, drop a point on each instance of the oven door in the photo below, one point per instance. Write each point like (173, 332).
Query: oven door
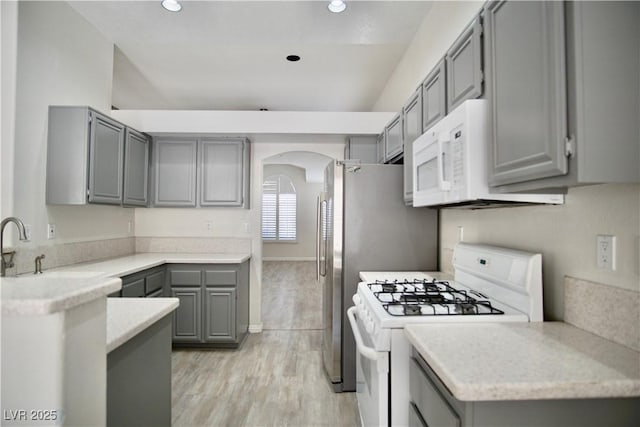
(372, 376)
(432, 172)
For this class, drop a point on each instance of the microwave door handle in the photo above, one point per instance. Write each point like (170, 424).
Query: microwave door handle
(442, 183)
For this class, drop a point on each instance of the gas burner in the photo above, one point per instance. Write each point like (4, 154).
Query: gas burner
(429, 298)
(412, 310)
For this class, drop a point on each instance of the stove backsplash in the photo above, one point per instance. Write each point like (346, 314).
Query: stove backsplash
(610, 312)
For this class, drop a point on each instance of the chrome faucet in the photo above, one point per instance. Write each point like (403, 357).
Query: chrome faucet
(21, 234)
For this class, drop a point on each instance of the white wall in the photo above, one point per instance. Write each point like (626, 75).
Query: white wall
(61, 60)
(565, 235)
(306, 193)
(9, 18)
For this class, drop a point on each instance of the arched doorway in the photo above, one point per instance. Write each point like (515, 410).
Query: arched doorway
(291, 297)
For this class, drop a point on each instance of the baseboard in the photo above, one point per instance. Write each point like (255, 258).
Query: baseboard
(255, 329)
(277, 258)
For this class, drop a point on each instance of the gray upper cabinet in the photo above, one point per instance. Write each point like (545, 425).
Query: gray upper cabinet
(361, 147)
(393, 139)
(136, 169)
(201, 171)
(526, 87)
(544, 141)
(106, 147)
(464, 66)
(221, 172)
(434, 98)
(85, 156)
(380, 148)
(412, 123)
(174, 162)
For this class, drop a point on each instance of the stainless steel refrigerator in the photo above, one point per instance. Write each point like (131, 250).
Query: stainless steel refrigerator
(364, 225)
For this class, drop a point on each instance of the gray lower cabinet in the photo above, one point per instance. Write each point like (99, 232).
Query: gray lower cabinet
(464, 66)
(361, 147)
(214, 304)
(85, 156)
(393, 139)
(187, 318)
(136, 169)
(201, 171)
(542, 140)
(412, 123)
(147, 283)
(174, 165)
(434, 96)
(433, 405)
(139, 379)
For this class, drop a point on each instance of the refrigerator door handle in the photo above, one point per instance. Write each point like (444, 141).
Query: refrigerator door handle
(318, 239)
(322, 265)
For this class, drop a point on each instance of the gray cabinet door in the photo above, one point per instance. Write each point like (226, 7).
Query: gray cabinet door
(220, 314)
(187, 318)
(133, 288)
(136, 169)
(526, 89)
(380, 148)
(175, 172)
(434, 98)
(464, 66)
(393, 139)
(221, 172)
(412, 122)
(106, 145)
(361, 147)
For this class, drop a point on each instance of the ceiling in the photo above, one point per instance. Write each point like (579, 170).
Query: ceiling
(230, 55)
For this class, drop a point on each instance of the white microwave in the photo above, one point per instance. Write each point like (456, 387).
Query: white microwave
(450, 163)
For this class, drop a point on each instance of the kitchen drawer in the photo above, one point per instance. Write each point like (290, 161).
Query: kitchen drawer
(433, 407)
(134, 289)
(154, 282)
(186, 278)
(156, 294)
(220, 277)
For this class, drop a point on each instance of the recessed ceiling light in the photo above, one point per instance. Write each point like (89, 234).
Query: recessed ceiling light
(337, 6)
(293, 58)
(172, 5)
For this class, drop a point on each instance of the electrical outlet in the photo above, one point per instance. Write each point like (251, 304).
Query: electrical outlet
(51, 231)
(606, 252)
(460, 233)
(209, 225)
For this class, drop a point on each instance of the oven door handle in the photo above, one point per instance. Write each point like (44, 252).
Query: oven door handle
(368, 352)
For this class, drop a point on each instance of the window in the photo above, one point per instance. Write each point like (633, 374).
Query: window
(279, 218)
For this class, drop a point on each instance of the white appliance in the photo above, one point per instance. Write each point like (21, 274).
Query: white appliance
(450, 163)
(491, 284)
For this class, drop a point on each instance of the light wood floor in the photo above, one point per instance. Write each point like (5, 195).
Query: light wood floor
(291, 297)
(275, 379)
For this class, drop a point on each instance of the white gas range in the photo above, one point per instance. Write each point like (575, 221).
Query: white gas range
(491, 284)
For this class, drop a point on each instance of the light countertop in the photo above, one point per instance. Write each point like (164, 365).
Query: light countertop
(521, 361)
(66, 287)
(127, 317)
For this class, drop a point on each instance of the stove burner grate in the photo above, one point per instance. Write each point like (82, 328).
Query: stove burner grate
(429, 298)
